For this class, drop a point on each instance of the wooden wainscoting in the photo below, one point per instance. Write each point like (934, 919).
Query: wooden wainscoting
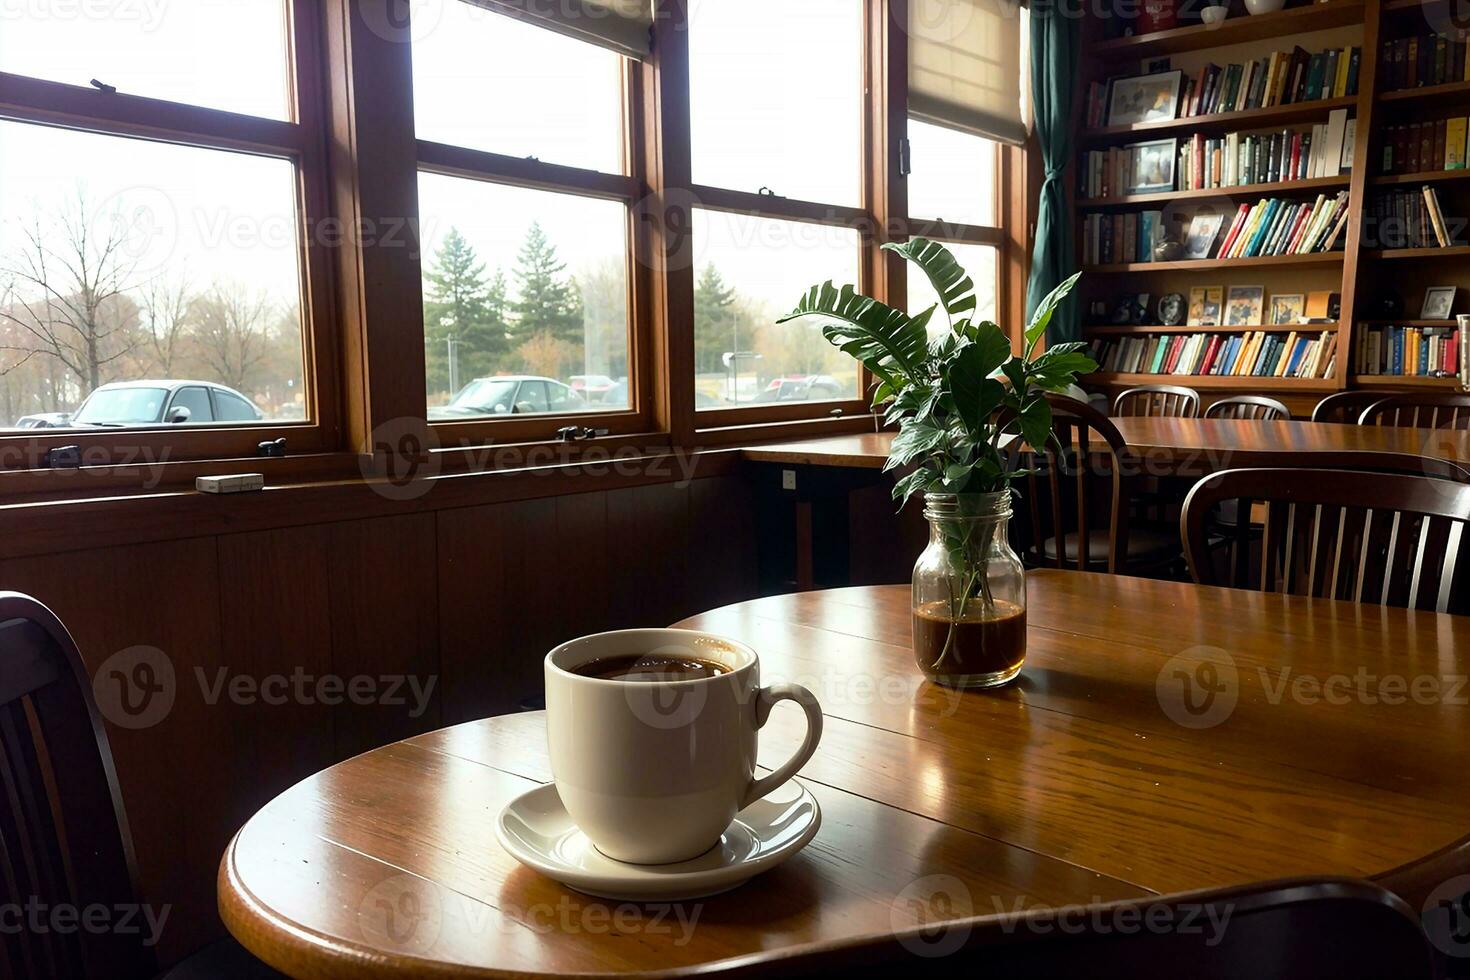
(469, 597)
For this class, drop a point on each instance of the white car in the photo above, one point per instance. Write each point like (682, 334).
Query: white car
(130, 403)
(516, 394)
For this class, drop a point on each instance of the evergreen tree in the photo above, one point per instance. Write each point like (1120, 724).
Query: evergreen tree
(715, 320)
(548, 300)
(460, 304)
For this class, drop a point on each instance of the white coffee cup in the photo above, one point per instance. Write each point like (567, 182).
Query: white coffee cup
(653, 772)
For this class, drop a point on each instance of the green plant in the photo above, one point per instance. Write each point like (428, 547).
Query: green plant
(944, 395)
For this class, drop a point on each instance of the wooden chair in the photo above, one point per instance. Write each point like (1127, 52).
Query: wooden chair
(1431, 410)
(1075, 504)
(1344, 407)
(1383, 538)
(1327, 927)
(64, 838)
(1252, 407)
(1157, 401)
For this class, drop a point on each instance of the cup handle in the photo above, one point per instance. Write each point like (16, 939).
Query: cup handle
(765, 700)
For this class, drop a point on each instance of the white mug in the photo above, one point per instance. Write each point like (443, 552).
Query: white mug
(653, 772)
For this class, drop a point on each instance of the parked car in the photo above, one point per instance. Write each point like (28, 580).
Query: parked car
(618, 396)
(593, 387)
(44, 420)
(799, 389)
(127, 403)
(510, 395)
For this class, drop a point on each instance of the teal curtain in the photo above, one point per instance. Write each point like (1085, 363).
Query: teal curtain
(1054, 58)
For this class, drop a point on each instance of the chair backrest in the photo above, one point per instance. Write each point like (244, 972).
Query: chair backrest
(1384, 538)
(1430, 410)
(1157, 401)
(1256, 407)
(1326, 927)
(1078, 485)
(1344, 406)
(64, 837)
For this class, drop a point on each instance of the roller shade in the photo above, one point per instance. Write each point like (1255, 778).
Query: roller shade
(965, 66)
(623, 26)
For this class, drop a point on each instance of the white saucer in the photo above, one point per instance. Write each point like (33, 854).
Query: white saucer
(536, 830)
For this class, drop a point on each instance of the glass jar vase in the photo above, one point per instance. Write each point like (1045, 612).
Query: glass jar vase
(969, 593)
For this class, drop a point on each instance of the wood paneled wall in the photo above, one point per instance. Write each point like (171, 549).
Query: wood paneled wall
(470, 598)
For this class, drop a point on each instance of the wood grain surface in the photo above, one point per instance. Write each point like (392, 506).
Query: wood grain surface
(1335, 745)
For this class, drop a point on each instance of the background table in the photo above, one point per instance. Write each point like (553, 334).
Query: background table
(1191, 446)
(1074, 784)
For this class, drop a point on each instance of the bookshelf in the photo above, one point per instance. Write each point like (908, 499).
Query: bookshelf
(1358, 268)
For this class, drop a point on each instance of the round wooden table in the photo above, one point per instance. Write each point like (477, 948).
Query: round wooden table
(1162, 737)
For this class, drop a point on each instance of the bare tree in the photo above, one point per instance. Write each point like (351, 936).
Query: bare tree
(233, 332)
(68, 282)
(167, 310)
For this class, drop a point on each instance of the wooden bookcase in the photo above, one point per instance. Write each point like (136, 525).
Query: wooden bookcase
(1360, 272)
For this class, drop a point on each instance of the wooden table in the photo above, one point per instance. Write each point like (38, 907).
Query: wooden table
(1175, 446)
(1073, 785)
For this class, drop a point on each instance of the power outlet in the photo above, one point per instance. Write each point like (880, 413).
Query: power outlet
(788, 479)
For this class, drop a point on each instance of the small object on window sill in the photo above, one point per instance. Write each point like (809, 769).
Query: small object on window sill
(272, 448)
(233, 483)
(64, 458)
(104, 87)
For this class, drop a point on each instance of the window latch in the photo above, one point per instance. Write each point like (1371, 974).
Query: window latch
(577, 433)
(766, 192)
(64, 458)
(836, 413)
(104, 87)
(905, 158)
(272, 448)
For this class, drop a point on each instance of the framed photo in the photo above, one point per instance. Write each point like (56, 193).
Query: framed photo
(1204, 305)
(1203, 230)
(1144, 98)
(1288, 308)
(1439, 302)
(1244, 305)
(1152, 166)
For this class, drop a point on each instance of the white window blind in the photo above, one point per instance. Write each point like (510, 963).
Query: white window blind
(624, 26)
(965, 63)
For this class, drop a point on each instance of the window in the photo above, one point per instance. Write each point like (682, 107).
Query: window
(526, 288)
(776, 96)
(173, 51)
(749, 271)
(484, 81)
(777, 148)
(953, 199)
(152, 238)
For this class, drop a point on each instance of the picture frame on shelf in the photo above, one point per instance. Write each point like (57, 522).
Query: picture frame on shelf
(1205, 303)
(1287, 308)
(1244, 306)
(1439, 303)
(1144, 98)
(1152, 166)
(1204, 228)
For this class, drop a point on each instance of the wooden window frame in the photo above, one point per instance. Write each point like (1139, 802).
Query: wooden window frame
(301, 139)
(629, 188)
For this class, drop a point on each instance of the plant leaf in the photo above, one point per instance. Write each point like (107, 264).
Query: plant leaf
(955, 288)
(1039, 320)
(890, 343)
(1036, 423)
(914, 440)
(920, 479)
